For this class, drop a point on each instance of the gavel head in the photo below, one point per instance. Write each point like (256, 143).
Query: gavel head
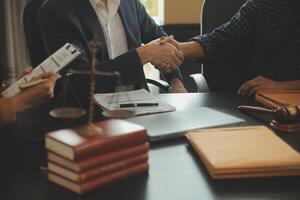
(289, 114)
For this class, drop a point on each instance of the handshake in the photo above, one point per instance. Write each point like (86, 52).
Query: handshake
(164, 54)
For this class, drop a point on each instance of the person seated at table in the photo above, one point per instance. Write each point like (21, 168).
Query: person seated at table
(121, 26)
(27, 98)
(273, 27)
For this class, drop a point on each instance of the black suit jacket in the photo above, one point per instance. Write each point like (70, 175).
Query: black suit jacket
(75, 21)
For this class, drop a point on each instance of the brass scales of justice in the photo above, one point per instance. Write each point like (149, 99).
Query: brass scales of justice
(90, 129)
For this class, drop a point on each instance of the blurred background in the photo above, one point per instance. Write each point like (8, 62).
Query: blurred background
(178, 17)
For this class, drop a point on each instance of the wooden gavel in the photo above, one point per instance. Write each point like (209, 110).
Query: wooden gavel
(290, 114)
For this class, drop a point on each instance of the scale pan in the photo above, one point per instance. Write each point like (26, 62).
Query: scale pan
(119, 113)
(67, 113)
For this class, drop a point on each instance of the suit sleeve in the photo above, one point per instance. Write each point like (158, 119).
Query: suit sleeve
(151, 31)
(56, 30)
(231, 34)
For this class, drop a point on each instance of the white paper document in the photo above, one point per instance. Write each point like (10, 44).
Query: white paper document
(141, 101)
(56, 62)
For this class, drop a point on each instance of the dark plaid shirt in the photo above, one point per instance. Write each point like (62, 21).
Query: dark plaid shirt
(273, 26)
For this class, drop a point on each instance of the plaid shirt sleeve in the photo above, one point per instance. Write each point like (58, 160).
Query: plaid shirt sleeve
(228, 36)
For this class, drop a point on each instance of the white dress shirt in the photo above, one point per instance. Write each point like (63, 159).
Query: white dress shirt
(112, 26)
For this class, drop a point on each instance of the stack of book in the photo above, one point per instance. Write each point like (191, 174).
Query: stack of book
(82, 164)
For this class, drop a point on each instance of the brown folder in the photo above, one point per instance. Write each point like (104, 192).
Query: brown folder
(278, 98)
(244, 152)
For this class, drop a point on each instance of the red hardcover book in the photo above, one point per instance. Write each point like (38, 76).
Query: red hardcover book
(97, 172)
(99, 159)
(98, 182)
(116, 134)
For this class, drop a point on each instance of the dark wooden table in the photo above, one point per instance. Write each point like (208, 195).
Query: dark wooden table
(175, 173)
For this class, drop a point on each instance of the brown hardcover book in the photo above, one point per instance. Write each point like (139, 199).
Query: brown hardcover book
(244, 152)
(97, 172)
(116, 134)
(99, 159)
(98, 182)
(278, 98)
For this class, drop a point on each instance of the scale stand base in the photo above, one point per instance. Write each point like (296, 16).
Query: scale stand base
(90, 130)
(67, 113)
(287, 128)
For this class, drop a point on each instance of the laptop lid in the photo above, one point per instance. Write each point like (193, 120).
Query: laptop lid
(174, 124)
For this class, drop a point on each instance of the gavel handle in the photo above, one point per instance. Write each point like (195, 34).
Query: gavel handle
(255, 109)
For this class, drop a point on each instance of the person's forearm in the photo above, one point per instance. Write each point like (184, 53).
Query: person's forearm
(9, 107)
(7, 113)
(192, 50)
(20, 102)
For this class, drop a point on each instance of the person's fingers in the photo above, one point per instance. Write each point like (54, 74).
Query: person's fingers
(48, 75)
(44, 75)
(54, 77)
(246, 87)
(162, 67)
(174, 42)
(158, 64)
(26, 71)
(171, 55)
(177, 61)
(163, 40)
(170, 40)
(252, 83)
(167, 68)
(172, 60)
(173, 63)
(4, 85)
(48, 88)
(243, 89)
(253, 91)
(179, 54)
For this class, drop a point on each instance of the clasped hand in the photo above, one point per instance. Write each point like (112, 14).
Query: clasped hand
(169, 62)
(164, 53)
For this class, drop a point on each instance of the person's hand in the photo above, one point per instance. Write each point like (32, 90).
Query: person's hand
(163, 56)
(170, 39)
(259, 83)
(26, 71)
(166, 67)
(177, 86)
(36, 95)
(167, 62)
(5, 84)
